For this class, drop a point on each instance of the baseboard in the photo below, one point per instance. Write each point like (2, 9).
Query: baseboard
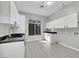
(69, 47)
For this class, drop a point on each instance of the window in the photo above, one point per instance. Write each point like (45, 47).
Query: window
(34, 27)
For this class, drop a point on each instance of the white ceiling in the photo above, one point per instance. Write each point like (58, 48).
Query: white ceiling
(34, 7)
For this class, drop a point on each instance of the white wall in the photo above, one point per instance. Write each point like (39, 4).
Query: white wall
(35, 17)
(21, 25)
(68, 38)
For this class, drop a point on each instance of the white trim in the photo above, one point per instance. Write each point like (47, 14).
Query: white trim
(69, 47)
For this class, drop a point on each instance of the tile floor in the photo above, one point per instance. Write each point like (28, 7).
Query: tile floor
(37, 49)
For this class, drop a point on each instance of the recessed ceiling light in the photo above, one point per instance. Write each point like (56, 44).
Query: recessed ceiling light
(49, 3)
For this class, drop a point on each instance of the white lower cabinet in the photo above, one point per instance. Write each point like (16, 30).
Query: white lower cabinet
(12, 50)
(50, 37)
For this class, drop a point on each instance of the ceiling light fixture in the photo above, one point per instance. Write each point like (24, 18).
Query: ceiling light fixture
(49, 3)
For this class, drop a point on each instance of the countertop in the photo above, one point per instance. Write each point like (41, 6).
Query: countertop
(10, 41)
(50, 32)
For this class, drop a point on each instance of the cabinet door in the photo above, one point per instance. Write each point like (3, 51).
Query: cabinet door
(4, 12)
(12, 50)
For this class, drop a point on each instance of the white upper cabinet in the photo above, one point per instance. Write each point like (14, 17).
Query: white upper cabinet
(8, 13)
(4, 12)
(14, 15)
(69, 21)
